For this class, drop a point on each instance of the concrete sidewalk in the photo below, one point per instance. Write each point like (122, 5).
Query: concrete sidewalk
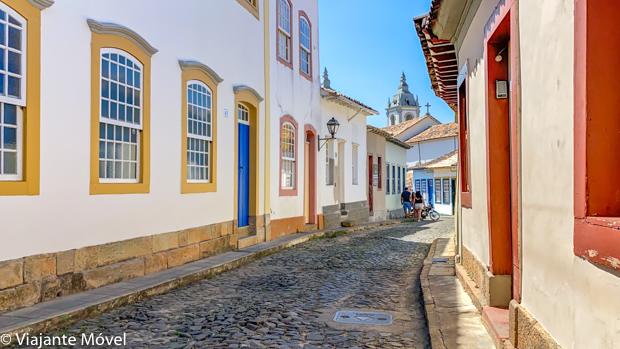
(61, 312)
(453, 320)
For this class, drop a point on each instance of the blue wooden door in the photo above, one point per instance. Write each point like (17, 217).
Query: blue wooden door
(431, 192)
(244, 175)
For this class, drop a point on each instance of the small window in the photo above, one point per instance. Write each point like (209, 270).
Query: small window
(305, 46)
(404, 184)
(399, 183)
(438, 191)
(199, 130)
(424, 189)
(284, 31)
(446, 191)
(120, 124)
(288, 156)
(10, 142)
(393, 179)
(387, 183)
(354, 169)
(379, 166)
(243, 114)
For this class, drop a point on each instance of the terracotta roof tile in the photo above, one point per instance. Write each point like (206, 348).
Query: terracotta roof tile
(397, 129)
(335, 93)
(446, 160)
(435, 132)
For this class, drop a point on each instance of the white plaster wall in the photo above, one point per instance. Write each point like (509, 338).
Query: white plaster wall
(417, 128)
(64, 215)
(292, 94)
(430, 150)
(422, 175)
(475, 228)
(444, 209)
(350, 132)
(395, 155)
(573, 299)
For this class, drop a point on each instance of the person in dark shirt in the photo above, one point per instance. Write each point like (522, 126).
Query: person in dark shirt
(418, 205)
(405, 200)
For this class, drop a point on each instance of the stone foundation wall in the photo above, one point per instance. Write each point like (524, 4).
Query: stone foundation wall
(331, 216)
(33, 279)
(398, 213)
(476, 270)
(526, 332)
(357, 212)
(378, 216)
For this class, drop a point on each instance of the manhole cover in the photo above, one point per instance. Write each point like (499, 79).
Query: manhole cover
(439, 259)
(355, 317)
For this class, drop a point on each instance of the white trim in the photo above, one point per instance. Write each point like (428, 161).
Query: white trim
(21, 101)
(209, 123)
(19, 143)
(138, 163)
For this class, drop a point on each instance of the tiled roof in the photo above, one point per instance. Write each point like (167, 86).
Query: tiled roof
(387, 136)
(443, 161)
(435, 132)
(332, 93)
(397, 129)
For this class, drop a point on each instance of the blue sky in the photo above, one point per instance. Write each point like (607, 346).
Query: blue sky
(366, 44)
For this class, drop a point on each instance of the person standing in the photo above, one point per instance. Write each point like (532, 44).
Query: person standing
(405, 200)
(418, 205)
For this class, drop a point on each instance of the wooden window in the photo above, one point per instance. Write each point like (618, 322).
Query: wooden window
(199, 133)
(464, 162)
(404, 184)
(305, 46)
(288, 156)
(597, 125)
(393, 179)
(379, 174)
(387, 183)
(399, 182)
(284, 23)
(438, 191)
(354, 166)
(446, 191)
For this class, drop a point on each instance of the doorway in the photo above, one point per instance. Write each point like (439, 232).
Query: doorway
(370, 174)
(310, 175)
(243, 166)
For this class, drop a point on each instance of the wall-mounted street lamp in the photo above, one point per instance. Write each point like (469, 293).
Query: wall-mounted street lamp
(332, 128)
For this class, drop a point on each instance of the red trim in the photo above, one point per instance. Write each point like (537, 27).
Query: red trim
(498, 144)
(596, 236)
(307, 76)
(288, 63)
(290, 192)
(310, 133)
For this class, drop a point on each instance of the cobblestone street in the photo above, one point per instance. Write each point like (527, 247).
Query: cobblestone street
(289, 299)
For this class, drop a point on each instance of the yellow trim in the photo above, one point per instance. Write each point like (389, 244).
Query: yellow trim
(250, 102)
(252, 8)
(267, 60)
(100, 41)
(186, 188)
(29, 185)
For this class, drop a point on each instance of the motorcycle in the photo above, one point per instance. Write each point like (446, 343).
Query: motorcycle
(429, 211)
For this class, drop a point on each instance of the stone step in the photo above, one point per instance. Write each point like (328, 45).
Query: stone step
(348, 223)
(496, 320)
(309, 227)
(246, 241)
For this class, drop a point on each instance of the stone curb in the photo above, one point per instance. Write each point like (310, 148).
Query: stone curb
(434, 328)
(77, 313)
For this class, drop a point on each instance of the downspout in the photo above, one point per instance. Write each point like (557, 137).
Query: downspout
(267, 179)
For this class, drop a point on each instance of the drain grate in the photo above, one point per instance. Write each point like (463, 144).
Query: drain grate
(355, 317)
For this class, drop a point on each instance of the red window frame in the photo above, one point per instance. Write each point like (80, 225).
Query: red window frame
(301, 72)
(283, 120)
(597, 209)
(464, 164)
(288, 63)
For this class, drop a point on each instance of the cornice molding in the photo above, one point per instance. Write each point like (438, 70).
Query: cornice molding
(193, 65)
(41, 4)
(248, 89)
(116, 29)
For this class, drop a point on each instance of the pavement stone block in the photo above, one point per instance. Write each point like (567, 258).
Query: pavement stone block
(165, 242)
(39, 267)
(11, 273)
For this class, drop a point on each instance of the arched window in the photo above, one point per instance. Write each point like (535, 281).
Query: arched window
(392, 120)
(409, 117)
(305, 44)
(288, 156)
(243, 114)
(284, 32)
(12, 92)
(199, 131)
(120, 118)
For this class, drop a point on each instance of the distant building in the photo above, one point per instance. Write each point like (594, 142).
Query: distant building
(436, 180)
(403, 106)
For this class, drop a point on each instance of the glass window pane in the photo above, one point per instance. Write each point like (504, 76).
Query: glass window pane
(114, 71)
(14, 86)
(10, 114)
(121, 73)
(2, 84)
(109, 150)
(105, 89)
(129, 114)
(136, 79)
(121, 113)
(126, 149)
(129, 95)
(118, 133)
(136, 116)
(136, 97)
(118, 169)
(15, 38)
(14, 21)
(101, 131)
(105, 109)
(109, 169)
(2, 31)
(126, 170)
(133, 152)
(2, 57)
(113, 111)
(121, 93)
(101, 150)
(10, 138)
(114, 91)
(132, 170)
(133, 136)
(125, 134)
(121, 59)
(105, 68)
(10, 163)
(129, 76)
(101, 169)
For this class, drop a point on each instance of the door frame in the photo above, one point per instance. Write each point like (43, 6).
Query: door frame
(248, 100)
(310, 135)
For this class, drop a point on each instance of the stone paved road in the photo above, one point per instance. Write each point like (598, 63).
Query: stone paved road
(288, 300)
